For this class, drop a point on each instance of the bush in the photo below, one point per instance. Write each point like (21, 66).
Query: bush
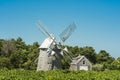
(58, 75)
(98, 67)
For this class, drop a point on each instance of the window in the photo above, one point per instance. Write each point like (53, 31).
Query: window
(83, 62)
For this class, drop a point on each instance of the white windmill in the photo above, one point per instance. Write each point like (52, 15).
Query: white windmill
(51, 52)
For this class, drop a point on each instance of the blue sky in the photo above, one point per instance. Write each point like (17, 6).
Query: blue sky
(97, 21)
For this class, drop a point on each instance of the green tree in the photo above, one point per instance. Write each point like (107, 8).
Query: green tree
(1, 45)
(8, 48)
(32, 57)
(90, 53)
(115, 65)
(103, 57)
(4, 62)
(118, 59)
(20, 44)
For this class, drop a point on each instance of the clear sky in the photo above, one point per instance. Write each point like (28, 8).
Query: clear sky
(97, 21)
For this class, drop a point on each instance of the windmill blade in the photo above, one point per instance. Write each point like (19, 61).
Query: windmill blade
(67, 58)
(65, 52)
(39, 27)
(68, 55)
(67, 32)
(34, 59)
(43, 30)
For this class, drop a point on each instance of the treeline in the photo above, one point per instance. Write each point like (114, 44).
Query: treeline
(15, 53)
(101, 60)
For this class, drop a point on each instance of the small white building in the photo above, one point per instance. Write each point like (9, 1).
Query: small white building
(80, 63)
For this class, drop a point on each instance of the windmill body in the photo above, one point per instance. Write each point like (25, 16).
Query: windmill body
(49, 55)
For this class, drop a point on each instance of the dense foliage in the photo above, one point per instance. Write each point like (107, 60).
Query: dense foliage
(58, 75)
(15, 53)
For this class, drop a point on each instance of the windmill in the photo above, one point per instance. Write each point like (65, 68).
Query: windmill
(51, 51)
